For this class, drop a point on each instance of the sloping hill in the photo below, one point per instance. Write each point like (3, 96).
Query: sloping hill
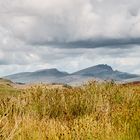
(95, 70)
(104, 72)
(137, 79)
(46, 75)
(7, 88)
(98, 72)
(5, 82)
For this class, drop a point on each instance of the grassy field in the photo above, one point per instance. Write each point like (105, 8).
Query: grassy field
(6, 88)
(94, 111)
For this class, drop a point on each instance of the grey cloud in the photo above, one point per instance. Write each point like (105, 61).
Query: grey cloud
(99, 43)
(69, 34)
(41, 22)
(4, 62)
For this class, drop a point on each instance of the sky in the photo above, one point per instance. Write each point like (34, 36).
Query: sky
(69, 35)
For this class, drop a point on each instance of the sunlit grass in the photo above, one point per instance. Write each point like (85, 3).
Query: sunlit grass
(6, 88)
(95, 111)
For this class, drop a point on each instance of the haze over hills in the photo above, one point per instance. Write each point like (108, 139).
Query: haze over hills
(98, 72)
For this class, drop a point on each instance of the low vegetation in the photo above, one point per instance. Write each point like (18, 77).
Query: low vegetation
(94, 111)
(6, 88)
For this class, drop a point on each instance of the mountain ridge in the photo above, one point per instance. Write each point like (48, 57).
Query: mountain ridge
(100, 72)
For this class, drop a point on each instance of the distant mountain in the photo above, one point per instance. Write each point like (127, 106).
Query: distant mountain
(105, 72)
(98, 72)
(46, 75)
(95, 70)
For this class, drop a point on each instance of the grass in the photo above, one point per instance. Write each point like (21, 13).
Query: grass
(6, 88)
(94, 111)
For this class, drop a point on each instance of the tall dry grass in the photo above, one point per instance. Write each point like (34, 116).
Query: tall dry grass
(95, 111)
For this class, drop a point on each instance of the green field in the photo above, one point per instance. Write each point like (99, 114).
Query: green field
(94, 111)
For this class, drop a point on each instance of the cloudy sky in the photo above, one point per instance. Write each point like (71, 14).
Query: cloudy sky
(69, 34)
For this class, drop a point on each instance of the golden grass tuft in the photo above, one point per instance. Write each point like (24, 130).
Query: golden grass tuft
(94, 111)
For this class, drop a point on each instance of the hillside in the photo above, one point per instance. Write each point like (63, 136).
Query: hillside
(7, 87)
(4, 83)
(99, 72)
(104, 72)
(46, 75)
(137, 79)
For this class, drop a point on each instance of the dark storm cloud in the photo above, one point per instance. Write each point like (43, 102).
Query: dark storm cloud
(99, 43)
